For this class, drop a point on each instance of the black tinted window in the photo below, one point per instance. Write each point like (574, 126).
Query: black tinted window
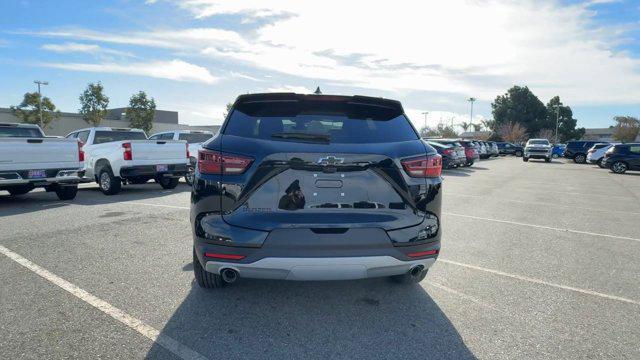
(11, 131)
(109, 136)
(339, 128)
(193, 138)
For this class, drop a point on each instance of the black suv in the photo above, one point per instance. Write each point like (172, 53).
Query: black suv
(577, 150)
(315, 187)
(622, 157)
(506, 148)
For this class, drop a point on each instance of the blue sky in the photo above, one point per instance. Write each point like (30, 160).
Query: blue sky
(194, 56)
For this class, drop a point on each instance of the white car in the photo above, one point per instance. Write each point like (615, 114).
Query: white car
(194, 140)
(537, 149)
(29, 159)
(595, 155)
(114, 156)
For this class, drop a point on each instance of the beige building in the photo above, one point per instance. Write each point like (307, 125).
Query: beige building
(68, 122)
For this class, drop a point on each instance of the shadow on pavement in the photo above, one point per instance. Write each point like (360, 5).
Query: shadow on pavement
(290, 320)
(38, 199)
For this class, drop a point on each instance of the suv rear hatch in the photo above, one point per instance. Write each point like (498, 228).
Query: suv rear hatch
(323, 163)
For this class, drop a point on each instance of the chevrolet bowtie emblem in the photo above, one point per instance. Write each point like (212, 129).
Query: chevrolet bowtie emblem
(330, 160)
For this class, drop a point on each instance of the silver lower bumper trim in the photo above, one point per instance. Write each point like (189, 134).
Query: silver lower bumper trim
(319, 269)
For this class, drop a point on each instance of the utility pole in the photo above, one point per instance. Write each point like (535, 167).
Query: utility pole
(40, 98)
(471, 100)
(557, 120)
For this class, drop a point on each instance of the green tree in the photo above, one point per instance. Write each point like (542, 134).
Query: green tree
(141, 111)
(29, 110)
(465, 126)
(443, 131)
(566, 123)
(520, 105)
(227, 111)
(93, 104)
(626, 129)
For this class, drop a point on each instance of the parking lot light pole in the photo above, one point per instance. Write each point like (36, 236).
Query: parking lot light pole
(425, 113)
(40, 98)
(471, 100)
(557, 119)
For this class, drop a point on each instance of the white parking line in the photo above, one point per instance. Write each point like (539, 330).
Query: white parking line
(542, 282)
(160, 205)
(543, 227)
(172, 345)
(574, 207)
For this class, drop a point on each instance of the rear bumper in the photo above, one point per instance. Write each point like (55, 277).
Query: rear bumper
(55, 176)
(319, 269)
(173, 170)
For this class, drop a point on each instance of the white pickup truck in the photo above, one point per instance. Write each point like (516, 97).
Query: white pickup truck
(116, 156)
(194, 139)
(29, 159)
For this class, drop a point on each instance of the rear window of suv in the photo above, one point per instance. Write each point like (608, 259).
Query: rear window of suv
(337, 128)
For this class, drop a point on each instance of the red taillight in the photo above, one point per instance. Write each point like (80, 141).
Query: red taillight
(224, 256)
(423, 253)
(80, 151)
(424, 166)
(213, 162)
(187, 146)
(447, 151)
(128, 154)
(469, 152)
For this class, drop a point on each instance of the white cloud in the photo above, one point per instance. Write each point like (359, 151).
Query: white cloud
(69, 47)
(173, 70)
(457, 47)
(291, 88)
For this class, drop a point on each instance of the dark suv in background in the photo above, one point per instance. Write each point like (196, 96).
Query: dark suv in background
(622, 157)
(315, 187)
(506, 148)
(577, 150)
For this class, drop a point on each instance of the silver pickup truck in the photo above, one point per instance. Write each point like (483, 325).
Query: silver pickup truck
(29, 159)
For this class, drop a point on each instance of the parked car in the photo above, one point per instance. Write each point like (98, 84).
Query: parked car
(448, 153)
(470, 151)
(342, 186)
(595, 155)
(558, 150)
(114, 156)
(577, 150)
(459, 156)
(493, 148)
(507, 148)
(537, 149)
(29, 159)
(482, 149)
(194, 139)
(623, 157)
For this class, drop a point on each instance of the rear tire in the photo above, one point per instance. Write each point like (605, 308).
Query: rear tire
(408, 278)
(601, 163)
(547, 159)
(109, 184)
(580, 159)
(619, 167)
(189, 178)
(20, 190)
(66, 192)
(205, 279)
(518, 153)
(168, 183)
(555, 156)
(525, 159)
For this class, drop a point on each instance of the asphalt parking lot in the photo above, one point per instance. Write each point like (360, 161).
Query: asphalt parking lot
(539, 261)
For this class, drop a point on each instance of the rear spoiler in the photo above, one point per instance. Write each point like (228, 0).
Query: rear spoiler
(291, 104)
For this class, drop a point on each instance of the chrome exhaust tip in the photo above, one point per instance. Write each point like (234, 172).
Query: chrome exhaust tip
(229, 275)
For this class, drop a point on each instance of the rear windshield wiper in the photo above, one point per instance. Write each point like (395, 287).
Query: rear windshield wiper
(302, 136)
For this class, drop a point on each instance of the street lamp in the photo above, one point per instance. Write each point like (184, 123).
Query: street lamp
(471, 100)
(557, 119)
(425, 113)
(40, 97)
